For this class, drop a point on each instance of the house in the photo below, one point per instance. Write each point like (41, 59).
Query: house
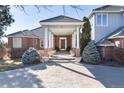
(62, 33)
(57, 33)
(107, 23)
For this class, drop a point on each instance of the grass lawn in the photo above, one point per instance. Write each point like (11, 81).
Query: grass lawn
(9, 63)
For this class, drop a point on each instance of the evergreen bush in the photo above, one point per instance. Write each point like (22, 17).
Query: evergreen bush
(31, 56)
(90, 54)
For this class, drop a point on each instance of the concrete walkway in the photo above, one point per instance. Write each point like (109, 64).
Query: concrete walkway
(65, 74)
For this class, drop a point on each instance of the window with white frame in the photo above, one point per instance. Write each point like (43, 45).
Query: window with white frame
(17, 42)
(101, 19)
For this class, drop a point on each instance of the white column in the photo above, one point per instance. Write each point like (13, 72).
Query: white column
(74, 40)
(46, 38)
(77, 33)
(50, 40)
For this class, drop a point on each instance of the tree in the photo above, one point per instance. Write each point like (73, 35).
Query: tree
(5, 18)
(85, 35)
(5, 21)
(91, 54)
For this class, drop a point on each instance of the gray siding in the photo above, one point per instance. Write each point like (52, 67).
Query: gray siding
(39, 32)
(114, 22)
(122, 18)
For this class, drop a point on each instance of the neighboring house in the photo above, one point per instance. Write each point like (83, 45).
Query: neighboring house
(107, 23)
(57, 33)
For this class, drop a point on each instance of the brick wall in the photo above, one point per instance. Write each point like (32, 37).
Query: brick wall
(10, 42)
(26, 42)
(106, 52)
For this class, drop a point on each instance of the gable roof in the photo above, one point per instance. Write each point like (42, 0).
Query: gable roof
(26, 33)
(109, 8)
(61, 18)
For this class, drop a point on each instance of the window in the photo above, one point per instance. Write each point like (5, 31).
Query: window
(101, 19)
(34, 42)
(17, 42)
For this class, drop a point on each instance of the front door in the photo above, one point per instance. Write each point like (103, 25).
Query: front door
(62, 43)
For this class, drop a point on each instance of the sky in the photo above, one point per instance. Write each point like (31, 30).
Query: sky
(31, 17)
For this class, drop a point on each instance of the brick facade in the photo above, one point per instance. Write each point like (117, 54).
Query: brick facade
(26, 42)
(106, 52)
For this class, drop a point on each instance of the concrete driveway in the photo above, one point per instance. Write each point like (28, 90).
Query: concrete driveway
(65, 74)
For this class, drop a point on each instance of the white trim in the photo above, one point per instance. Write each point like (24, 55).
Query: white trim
(101, 19)
(17, 42)
(61, 23)
(105, 45)
(116, 37)
(77, 33)
(52, 41)
(103, 11)
(46, 38)
(61, 38)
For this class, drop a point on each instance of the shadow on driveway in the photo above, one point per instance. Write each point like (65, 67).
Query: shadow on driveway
(21, 78)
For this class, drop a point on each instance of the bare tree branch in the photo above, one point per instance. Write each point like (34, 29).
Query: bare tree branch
(38, 8)
(63, 7)
(77, 7)
(22, 8)
(48, 7)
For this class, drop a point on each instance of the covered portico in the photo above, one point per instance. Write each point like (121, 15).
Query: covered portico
(62, 34)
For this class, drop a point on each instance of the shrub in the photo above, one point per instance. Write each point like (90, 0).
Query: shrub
(90, 54)
(119, 55)
(31, 56)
